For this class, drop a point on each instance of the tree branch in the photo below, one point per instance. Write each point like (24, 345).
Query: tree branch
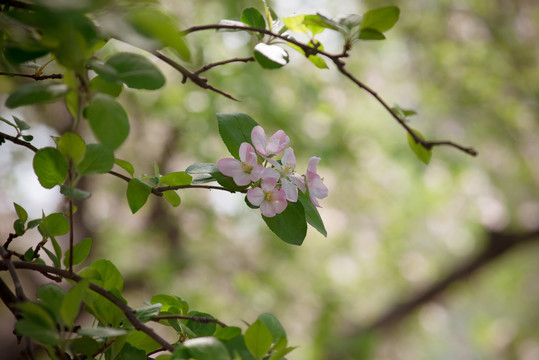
(17, 141)
(224, 62)
(33, 76)
(337, 60)
(201, 319)
(497, 245)
(128, 312)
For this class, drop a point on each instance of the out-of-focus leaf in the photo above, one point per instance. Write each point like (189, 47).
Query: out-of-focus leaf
(206, 348)
(21, 212)
(100, 85)
(98, 159)
(102, 332)
(108, 120)
(311, 213)
(126, 165)
(71, 302)
(80, 252)
(270, 56)
(136, 71)
(253, 18)
(172, 197)
(50, 167)
(200, 328)
(72, 146)
(176, 178)
(422, 153)
(137, 194)
(36, 92)
(371, 34)
(381, 19)
(74, 193)
(258, 339)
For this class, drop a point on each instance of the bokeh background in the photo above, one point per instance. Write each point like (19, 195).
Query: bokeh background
(395, 226)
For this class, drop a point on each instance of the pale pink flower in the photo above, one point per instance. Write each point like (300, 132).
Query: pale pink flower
(276, 143)
(245, 170)
(290, 182)
(317, 189)
(271, 199)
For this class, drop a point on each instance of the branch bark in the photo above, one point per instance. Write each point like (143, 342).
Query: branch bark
(497, 245)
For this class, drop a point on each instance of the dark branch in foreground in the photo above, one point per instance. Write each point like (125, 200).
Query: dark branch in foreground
(128, 312)
(497, 245)
(33, 76)
(200, 319)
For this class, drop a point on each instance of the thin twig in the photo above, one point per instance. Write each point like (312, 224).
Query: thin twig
(209, 187)
(128, 311)
(224, 62)
(17, 141)
(201, 319)
(19, 292)
(33, 76)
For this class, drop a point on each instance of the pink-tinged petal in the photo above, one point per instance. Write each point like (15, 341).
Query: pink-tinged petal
(259, 139)
(242, 179)
(289, 159)
(313, 200)
(299, 181)
(270, 176)
(290, 189)
(313, 164)
(317, 189)
(274, 163)
(279, 201)
(245, 150)
(255, 196)
(277, 143)
(267, 209)
(229, 167)
(256, 173)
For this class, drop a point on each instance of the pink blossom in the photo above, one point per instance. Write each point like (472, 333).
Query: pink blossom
(271, 199)
(245, 170)
(276, 143)
(317, 189)
(290, 182)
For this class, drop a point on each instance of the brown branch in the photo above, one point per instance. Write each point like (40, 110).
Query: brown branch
(19, 292)
(195, 78)
(497, 245)
(209, 187)
(201, 319)
(33, 76)
(224, 62)
(128, 312)
(337, 60)
(17, 141)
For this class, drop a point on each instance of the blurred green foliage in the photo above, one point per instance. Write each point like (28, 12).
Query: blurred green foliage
(469, 69)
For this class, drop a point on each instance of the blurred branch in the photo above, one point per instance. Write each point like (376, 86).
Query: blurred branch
(17, 141)
(201, 319)
(337, 60)
(497, 245)
(33, 76)
(224, 62)
(128, 312)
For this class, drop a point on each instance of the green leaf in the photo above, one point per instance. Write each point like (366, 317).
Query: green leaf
(51, 296)
(295, 24)
(36, 92)
(156, 25)
(126, 165)
(105, 71)
(28, 137)
(18, 226)
(80, 252)
(108, 120)
(8, 122)
(71, 303)
(200, 328)
(314, 24)
(381, 19)
(146, 313)
(36, 314)
(320, 21)
(74, 193)
(206, 348)
(56, 224)
(21, 212)
(98, 159)
(317, 61)
(203, 171)
(279, 354)
(371, 34)
(72, 146)
(258, 339)
(136, 71)
(130, 352)
(235, 129)
(177, 178)
(270, 56)
(21, 124)
(227, 182)
(172, 197)
(227, 333)
(422, 153)
(54, 258)
(253, 18)
(34, 331)
(137, 194)
(85, 346)
(311, 213)
(100, 85)
(290, 225)
(72, 99)
(50, 167)
(102, 332)
(142, 341)
(103, 273)
(169, 302)
(274, 326)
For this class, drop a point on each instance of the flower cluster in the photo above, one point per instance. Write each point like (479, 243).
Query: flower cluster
(273, 183)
